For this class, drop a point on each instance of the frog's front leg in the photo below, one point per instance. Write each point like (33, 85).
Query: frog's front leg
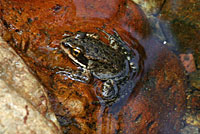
(80, 74)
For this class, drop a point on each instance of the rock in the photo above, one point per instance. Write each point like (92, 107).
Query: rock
(24, 106)
(150, 7)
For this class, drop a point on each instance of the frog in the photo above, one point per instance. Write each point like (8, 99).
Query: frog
(109, 62)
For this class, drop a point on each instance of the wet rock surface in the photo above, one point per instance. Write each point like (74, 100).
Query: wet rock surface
(157, 103)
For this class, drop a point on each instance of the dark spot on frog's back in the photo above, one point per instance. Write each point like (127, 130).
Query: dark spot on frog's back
(105, 66)
(87, 50)
(96, 50)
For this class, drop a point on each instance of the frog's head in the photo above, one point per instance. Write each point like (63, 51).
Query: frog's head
(82, 48)
(71, 46)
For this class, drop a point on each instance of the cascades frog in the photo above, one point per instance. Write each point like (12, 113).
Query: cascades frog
(111, 63)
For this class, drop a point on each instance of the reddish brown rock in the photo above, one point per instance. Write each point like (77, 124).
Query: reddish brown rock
(34, 29)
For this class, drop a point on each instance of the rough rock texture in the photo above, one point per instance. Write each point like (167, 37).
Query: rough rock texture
(24, 106)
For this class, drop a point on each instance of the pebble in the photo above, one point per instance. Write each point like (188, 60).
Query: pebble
(188, 62)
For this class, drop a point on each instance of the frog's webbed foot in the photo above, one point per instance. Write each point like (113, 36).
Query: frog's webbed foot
(81, 75)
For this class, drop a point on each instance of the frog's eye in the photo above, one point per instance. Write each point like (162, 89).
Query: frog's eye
(76, 52)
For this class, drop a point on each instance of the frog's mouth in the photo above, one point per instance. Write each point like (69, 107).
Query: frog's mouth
(79, 59)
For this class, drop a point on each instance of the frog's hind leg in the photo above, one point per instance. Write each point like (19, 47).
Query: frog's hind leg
(109, 91)
(113, 42)
(116, 42)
